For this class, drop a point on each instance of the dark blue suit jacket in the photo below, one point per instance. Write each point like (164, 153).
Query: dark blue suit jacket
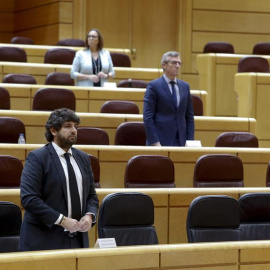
(44, 197)
(162, 120)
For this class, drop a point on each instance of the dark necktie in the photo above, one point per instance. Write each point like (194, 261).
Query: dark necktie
(74, 192)
(174, 94)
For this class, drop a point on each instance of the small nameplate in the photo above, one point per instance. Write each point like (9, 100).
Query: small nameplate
(110, 85)
(192, 143)
(105, 243)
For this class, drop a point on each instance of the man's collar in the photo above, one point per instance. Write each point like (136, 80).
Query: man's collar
(169, 80)
(59, 150)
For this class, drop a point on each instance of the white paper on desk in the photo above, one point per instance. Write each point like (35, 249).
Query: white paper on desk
(105, 243)
(110, 85)
(193, 143)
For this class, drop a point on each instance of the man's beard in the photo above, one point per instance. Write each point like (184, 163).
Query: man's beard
(65, 142)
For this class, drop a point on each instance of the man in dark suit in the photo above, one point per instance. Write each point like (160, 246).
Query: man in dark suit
(168, 111)
(57, 216)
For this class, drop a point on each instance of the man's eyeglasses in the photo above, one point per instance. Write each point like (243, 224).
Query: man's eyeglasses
(93, 37)
(174, 63)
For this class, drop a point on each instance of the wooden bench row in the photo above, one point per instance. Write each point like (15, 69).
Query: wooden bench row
(206, 128)
(36, 53)
(171, 207)
(113, 161)
(88, 99)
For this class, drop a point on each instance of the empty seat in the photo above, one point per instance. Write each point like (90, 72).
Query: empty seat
(133, 83)
(255, 216)
(237, 139)
(22, 40)
(130, 133)
(71, 42)
(92, 136)
(10, 129)
(149, 171)
(59, 56)
(19, 78)
(218, 170)
(12, 54)
(262, 48)
(10, 226)
(197, 105)
(253, 64)
(120, 59)
(213, 219)
(218, 47)
(4, 99)
(10, 171)
(119, 106)
(49, 99)
(129, 218)
(96, 170)
(59, 78)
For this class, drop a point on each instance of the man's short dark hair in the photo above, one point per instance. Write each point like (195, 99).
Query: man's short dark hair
(57, 119)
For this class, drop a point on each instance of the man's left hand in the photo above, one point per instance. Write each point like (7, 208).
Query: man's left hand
(85, 223)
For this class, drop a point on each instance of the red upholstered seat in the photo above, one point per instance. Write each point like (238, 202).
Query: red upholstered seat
(119, 106)
(218, 47)
(59, 56)
(4, 99)
(96, 170)
(92, 136)
(253, 64)
(59, 78)
(19, 78)
(10, 129)
(12, 54)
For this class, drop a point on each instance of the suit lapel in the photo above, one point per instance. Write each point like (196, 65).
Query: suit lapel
(59, 168)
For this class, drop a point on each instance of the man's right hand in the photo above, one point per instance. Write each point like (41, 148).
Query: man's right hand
(156, 144)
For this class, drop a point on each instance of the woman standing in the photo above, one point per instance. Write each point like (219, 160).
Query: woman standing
(92, 66)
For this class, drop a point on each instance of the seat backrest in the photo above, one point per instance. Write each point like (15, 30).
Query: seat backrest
(10, 129)
(268, 175)
(262, 48)
(213, 218)
(22, 40)
(237, 139)
(218, 170)
(49, 99)
(120, 59)
(12, 54)
(255, 216)
(10, 226)
(92, 136)
(149, 171)
(59, 56)
(128, 217)
(74, 42)
(4, 99)
(197, 105)
(119, 106)
(218, 47)
(96, 170)
(19, 78)
(59, 78)
(253, 64)
(133, 83)
(10, 171)
(130, 133)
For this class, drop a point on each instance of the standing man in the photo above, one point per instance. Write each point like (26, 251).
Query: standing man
(57, 190)
(168, 112)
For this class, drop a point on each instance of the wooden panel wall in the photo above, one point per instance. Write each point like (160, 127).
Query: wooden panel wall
(6, 20)
(45, 21)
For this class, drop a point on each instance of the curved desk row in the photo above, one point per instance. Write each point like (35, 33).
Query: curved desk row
(88, 99)
(171, 207)
(36, 53)
(113, 160)
(206, 128)
(40, 71)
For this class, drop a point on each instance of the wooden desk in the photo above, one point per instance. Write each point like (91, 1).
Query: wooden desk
(88, 99)
(36, 53)
(40, 71)
(206, 128)
(171, 207)
(254, 101)
(216, 76)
